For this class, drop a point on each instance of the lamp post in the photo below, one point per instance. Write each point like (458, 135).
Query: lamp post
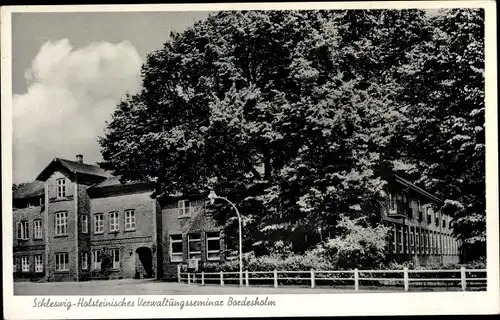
(212, 196)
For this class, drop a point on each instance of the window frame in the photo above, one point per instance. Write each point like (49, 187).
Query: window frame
(183, 208)
(176, 254)
(208, 252)
(23, 230)
(85, 224)
(114, 251)
(189, 246)
(61, 188)
(114, 221)
(37, 230)
(57, 261)
(129, 218)
(38, 263)
(101, 225)
(96, 255)
(85, 260)
(23, 264)
(60, 223)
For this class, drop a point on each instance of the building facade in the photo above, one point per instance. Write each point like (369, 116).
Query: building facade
(76, 222)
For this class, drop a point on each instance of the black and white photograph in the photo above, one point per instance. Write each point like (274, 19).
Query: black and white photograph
(210, 160)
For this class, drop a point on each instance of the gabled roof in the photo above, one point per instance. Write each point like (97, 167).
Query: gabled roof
(74, 167)
(114, 181)
(413, 187)
(30, 190)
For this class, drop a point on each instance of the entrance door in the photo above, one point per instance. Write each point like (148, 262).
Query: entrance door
(146, 260)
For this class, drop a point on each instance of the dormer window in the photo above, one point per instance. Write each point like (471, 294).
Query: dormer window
(61, 187)
(184, 208)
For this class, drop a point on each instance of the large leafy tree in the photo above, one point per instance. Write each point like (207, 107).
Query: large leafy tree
(444, 139)
(310, 104)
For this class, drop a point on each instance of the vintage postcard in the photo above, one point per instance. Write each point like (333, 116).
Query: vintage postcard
(275, 159)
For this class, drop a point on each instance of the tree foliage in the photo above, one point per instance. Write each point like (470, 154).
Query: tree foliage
(314, 104)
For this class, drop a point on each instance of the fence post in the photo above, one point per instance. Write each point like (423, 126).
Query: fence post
(189, 278)
(463, 278)
(203, 278)
(246, 278)
(313, 284)
(221, 278)
(179, 273)
(406, 279)
(275, 278)
(356, 279)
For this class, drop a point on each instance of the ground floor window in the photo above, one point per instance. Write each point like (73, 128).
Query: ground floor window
(62, 261)
(25, 264)
(85, 260)
(176, 248)
(400, 238)
(96, 260)
(194, 247)
(116, 258)
(38, 263)
(213, 245)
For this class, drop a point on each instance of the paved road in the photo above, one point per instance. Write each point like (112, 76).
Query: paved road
(152, 287)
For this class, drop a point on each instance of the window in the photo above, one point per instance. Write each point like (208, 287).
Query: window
(61, 187)
(449, 223)
(194, 248)
(85, 224)
(417, 241)
(176, 248)
(392, 202)
(62, 261)
(394, 238)
(23, 232)
(184, 208)
(25, 263)
(98, 223)
(444, 223)
(113, 222)
(116, 258)
(85, 260)
(37, 226)
(61, 223)
(412, 241)
(213, 246)
(420, 212)
(429, 213)
(400, 238)
(38, 263)
(96, 260)
(129, 220)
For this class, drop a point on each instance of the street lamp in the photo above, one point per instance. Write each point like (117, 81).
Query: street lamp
(212, 196)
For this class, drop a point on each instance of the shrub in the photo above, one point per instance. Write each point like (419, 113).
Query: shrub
(357, 246)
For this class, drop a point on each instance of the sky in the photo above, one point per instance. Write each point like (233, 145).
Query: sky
(69, 71)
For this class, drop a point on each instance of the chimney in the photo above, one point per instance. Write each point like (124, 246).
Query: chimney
(79, 158)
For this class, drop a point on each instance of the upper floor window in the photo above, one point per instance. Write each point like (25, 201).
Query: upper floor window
(444, 223)
(129, 220)
(429, 214)
(98, 223)
(392, 201)
(113, 222)
(184, 208)
(213, 245)
(23, 232)
(61, 223)
(37, 226)
(62, 261)
(61, 187)
(194, 246)
(85, 224)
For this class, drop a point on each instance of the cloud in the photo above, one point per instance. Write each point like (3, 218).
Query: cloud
(71, 93)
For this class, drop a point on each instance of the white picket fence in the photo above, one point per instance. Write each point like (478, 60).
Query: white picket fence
(457, 277)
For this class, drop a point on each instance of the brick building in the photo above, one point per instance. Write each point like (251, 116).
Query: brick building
(77, 222)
